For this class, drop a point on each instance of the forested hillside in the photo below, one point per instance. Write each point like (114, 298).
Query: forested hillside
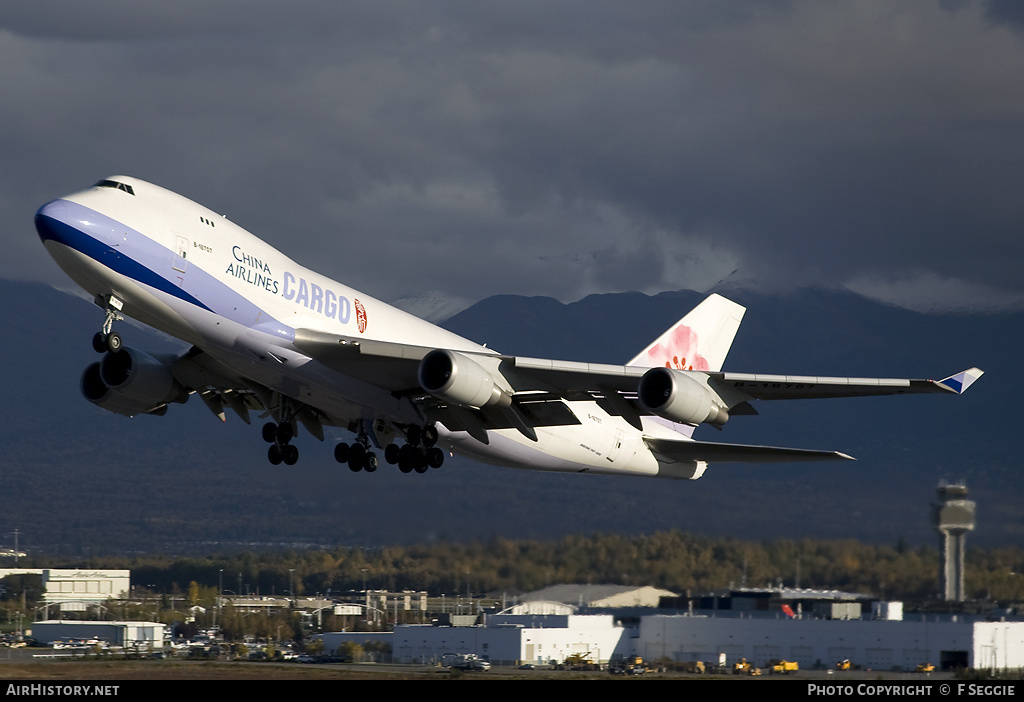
(673, 560)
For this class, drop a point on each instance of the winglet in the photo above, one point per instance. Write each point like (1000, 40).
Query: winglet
(961, 381)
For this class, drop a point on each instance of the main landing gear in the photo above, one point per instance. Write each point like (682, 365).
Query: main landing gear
(358, 455)
(279, 436)
(418, 454)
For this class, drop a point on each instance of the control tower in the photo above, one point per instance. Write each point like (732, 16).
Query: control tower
(954, 517)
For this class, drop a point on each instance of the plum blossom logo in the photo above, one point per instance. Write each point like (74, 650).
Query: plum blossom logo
(677, 350)
(360, 316)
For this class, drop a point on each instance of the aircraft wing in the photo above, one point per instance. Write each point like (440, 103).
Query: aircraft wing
(786, 387)
(596, 378)
(394, 367)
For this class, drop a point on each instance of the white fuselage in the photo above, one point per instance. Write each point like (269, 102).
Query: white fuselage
(181, 268)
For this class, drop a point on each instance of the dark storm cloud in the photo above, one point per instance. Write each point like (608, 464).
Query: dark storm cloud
(547, 148)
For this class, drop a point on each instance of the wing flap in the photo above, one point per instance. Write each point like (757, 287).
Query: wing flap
(572, 376)
(388, 365)
(534, 412)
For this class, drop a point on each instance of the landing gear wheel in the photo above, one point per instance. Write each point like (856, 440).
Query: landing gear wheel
(422, 467)
(284, 432)
(435, 457)
(274, 455)
(407, 458)
(391, 453)
(102, 343)
(341, 453)
(414, 434)
(289, 454)
(370, 462)
(270, 432)
(429, 435)
(356, 457)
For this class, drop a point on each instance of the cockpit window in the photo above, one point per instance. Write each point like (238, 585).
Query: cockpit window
(117, 186)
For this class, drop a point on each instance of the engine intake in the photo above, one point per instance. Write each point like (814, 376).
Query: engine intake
(675, 396)
(458, 379)
(131, 382)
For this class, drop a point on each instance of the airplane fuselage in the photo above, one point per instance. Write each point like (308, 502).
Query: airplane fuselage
(187, 271)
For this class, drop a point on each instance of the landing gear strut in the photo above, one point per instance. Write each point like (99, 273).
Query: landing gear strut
(106, 340)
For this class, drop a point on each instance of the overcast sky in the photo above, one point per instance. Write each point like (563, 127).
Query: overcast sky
(546, 148)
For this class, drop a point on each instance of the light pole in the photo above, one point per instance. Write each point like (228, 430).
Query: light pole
(366, 595)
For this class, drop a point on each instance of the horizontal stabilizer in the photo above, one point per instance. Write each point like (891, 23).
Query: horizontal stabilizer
(709, 452)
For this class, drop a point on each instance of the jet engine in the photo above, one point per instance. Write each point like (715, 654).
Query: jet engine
(131, 382)
(676, 396)
(458, 379)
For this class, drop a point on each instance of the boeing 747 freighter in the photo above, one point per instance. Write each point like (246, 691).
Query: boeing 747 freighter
(268, 336)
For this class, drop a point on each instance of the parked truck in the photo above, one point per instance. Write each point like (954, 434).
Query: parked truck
(465, 661)
(777, 666)
(631, 665)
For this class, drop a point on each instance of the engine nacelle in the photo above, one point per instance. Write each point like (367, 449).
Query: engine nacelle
(458, 379)
(131, 382)
(675, 396)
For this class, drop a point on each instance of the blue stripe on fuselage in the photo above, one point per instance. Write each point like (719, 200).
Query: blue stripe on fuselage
(101, 238)
(55, 229)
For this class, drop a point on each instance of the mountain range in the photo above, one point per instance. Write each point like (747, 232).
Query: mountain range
(76, 480)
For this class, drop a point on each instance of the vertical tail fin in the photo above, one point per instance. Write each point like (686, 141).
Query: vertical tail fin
(698, 341)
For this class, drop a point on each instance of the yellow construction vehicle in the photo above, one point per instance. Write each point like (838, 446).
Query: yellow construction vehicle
(578, 661)
(697, 667)
(744, 667)
(777, 666)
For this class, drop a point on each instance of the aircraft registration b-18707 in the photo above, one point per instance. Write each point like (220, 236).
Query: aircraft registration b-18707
(271, 336)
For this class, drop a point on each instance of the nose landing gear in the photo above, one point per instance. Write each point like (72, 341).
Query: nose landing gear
(106, 340)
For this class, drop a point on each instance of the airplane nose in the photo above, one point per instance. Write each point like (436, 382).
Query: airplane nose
(50, 218)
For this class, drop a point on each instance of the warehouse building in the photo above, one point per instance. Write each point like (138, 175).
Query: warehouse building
(882, 645)
(506, 639)
(74, 589)
(137, 635)
(814, 643)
